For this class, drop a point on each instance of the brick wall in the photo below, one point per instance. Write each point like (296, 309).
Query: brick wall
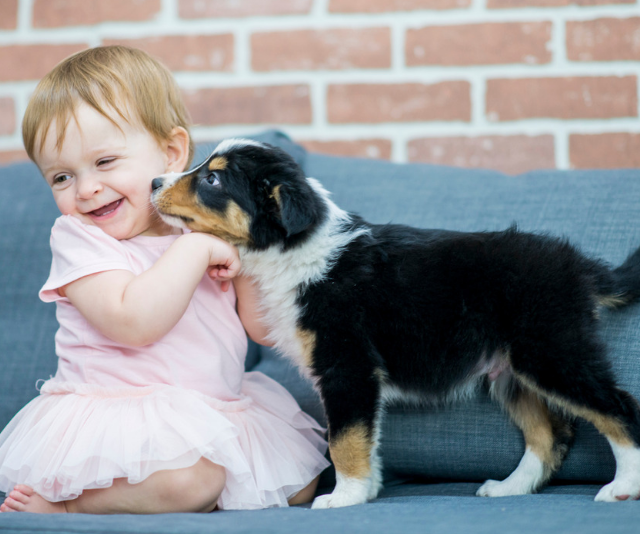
(506, 84)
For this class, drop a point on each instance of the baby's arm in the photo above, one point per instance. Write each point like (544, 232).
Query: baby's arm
(138, 310)
(248, 310)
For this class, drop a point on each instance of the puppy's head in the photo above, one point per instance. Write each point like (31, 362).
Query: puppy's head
(248, 193)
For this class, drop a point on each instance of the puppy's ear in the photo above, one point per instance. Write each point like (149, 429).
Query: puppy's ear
(298, 207)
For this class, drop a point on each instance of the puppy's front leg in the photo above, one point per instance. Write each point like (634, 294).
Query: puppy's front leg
(353, 412)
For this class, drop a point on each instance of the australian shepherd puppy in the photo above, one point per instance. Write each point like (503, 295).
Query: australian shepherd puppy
(378, 312)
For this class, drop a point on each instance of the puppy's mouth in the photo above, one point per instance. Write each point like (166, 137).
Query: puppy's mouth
(106, 209)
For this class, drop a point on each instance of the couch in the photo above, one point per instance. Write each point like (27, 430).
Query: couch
(435, 458)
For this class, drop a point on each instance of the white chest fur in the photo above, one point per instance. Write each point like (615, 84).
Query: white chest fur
(282, 275)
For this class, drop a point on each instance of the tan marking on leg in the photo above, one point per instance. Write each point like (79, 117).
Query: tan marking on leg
(307, 340)
(218, 164)
(530, 414)
(608, 425)
(351, 451)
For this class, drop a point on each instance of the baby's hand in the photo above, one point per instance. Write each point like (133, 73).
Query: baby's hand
(224, 261)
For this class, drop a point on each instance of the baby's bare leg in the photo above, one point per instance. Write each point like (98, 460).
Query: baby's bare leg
(305, 495)
(192, 489)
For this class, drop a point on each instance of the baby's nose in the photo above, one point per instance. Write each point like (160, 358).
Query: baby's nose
(156, 183)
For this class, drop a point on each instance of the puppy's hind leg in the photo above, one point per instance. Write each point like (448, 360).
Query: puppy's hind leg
(586, 388)
(547, 436)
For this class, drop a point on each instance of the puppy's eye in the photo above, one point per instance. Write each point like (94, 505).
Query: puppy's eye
(212, 179)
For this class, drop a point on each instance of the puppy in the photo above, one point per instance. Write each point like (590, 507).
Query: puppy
(378, 312)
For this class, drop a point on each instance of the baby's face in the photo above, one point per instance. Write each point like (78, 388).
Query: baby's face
(102, 175)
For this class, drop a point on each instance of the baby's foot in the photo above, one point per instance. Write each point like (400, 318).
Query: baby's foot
(24, 499)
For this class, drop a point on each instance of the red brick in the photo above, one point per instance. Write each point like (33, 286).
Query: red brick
(12, 156)
(605, 39)
(56, 13)
(344, 48)
(511, 154)
(7, 116)
(499, 4)
(604, 151)
(562, 98)
(187, 52)
(374, 103)
(31, 62)
(279, 104)
(479, 44)
(195, 9)
(361, 148)
(9, 14)
(381, 6)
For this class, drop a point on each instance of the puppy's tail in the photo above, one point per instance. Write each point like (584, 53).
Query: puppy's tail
(623, 286)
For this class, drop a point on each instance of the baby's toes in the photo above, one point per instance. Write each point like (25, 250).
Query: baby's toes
(13, 505)
(19, 496)
(27, 490)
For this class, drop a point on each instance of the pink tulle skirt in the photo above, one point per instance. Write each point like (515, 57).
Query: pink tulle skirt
(74, 437)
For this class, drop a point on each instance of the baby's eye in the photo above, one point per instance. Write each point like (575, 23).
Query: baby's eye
(105, 161)
(60, 178)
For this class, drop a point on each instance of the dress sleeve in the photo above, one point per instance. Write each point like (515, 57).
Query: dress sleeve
(79, 250)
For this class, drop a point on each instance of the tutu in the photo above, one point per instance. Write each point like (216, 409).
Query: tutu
(81, 436)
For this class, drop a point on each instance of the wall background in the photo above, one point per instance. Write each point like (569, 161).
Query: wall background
(507, 84)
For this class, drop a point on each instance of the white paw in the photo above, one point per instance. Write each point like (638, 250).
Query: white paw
(505, 488)
(348, 492)
(491, 488)
(336, 500)
(526, 479)
(621, 489)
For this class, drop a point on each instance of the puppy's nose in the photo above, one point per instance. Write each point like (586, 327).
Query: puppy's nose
(156, 183)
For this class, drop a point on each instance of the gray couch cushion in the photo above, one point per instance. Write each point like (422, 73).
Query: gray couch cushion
(409, 509)
(597, 211)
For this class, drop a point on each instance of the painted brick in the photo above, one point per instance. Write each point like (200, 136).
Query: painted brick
(7, 116)
(194, 9)
(280, 104)
(57, 13)
(562, 98)
(511, 154)
(187, 52)
(500, 4)
(336, 49)
(361, 148)
(12, 156)
(382, 6)
(605, 39)
(9, 17)
(604, 151)
(479, 44)
(375, 103)
(31, 62)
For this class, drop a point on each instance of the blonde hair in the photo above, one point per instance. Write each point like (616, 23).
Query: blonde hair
(109, 78)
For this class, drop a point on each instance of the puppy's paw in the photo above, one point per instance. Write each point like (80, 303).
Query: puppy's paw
(491, 488)
(348, 492)
(505, 488)
(336, 500)
(621, 489)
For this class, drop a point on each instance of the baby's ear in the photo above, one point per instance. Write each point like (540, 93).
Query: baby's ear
(177, 149)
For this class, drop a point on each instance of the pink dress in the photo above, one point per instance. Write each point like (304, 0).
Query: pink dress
(113, 411)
